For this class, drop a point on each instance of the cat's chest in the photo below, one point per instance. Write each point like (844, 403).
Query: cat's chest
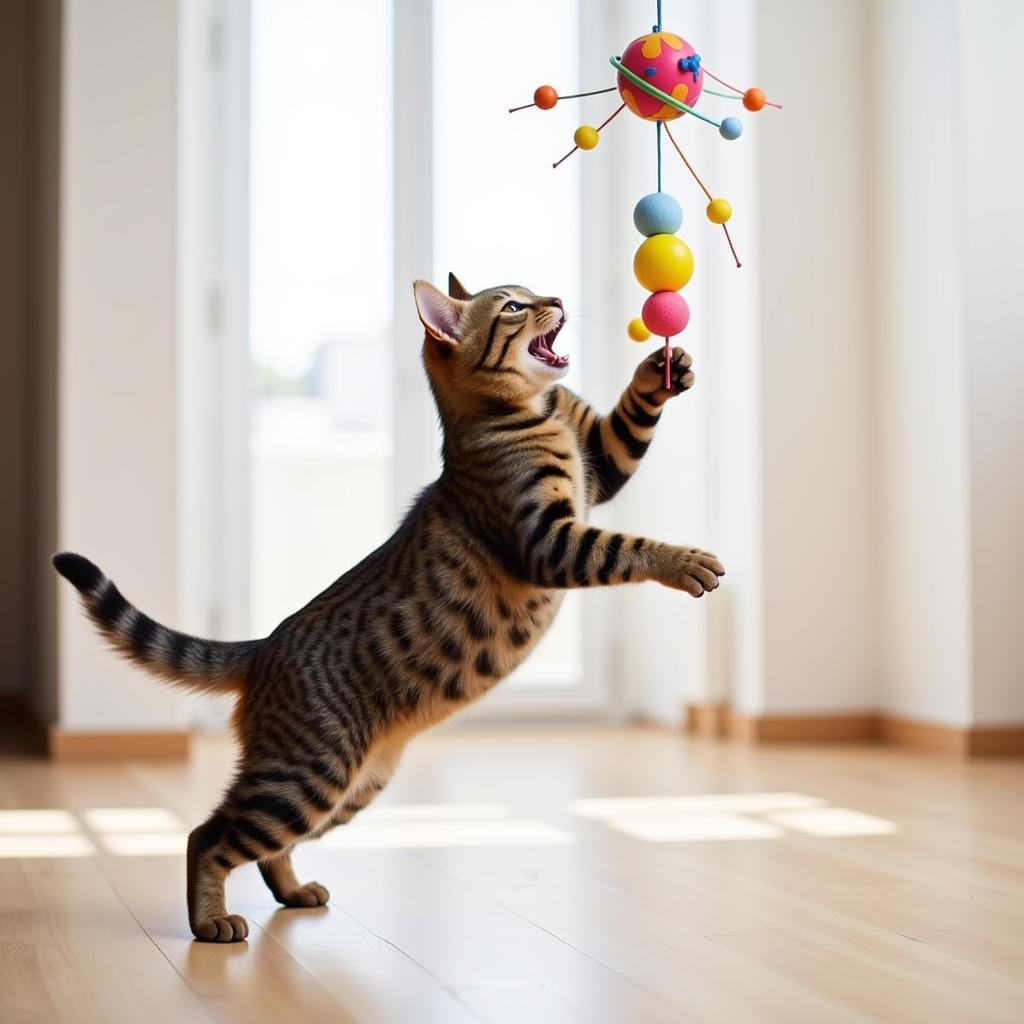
(570, 460)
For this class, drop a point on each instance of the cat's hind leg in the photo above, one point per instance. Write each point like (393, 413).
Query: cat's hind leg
(278, 872)
(258, 820)
(279, 875)
(370, 778)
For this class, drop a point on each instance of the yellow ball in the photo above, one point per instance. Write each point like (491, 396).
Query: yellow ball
(719, 211)
(637, 330)
(663, 263)
(586, 137)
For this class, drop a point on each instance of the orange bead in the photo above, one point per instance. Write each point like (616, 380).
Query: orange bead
(753, 99)
(545, 97)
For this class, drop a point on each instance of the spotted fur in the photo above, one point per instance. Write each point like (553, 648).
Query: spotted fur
(437, 615)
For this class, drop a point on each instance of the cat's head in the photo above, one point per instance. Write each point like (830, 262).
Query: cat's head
(495, 344)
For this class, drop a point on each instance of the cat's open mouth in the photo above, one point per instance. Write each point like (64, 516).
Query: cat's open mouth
(542, 348)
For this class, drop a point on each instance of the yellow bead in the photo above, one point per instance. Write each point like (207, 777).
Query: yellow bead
(663, 263)
(586, 137)
(719, 211)
(637, 330)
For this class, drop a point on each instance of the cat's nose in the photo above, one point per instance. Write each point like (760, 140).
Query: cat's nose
(558, 303)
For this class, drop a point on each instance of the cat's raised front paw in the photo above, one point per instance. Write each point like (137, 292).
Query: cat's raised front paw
(649, 378)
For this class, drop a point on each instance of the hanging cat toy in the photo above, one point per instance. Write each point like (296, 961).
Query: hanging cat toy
(660, 78)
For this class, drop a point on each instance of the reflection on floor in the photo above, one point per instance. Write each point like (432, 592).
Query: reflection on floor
(572, 874)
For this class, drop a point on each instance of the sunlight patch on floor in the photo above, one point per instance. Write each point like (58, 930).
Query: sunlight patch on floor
(146, 844)
(132, 819)
(45, 846)
(691, 828)
(713, 817)
(732, 803)
(834, 821)
(41, 822)
(424, 835)
(432, 812)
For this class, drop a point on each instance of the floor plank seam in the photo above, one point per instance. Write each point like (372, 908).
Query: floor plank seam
(426, 970)
(565, 942)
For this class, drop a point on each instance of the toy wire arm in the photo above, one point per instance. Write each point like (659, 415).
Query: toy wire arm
(658, 94)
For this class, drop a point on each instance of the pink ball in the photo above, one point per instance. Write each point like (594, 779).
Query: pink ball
(666, 314)
(662, 60)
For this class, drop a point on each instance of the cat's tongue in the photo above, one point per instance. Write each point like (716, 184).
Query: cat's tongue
(540, 348)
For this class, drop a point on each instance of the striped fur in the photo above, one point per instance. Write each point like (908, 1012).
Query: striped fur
(186, 660)
(437, 615)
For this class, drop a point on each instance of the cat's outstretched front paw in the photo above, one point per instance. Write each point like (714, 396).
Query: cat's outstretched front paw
(692, 570)
(649, 379)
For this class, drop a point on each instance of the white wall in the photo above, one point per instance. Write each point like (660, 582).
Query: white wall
(921, 397)
(117, 336)
(862, 443)
(815, 359)
(990, 132)
(949, 358)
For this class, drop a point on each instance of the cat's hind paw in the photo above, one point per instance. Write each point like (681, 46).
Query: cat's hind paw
(228, 928)
(312, 894)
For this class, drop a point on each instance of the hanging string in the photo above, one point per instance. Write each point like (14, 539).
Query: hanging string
(658, 133)
(668, 344)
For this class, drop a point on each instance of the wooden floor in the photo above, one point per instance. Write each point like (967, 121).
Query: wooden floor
(500, 881)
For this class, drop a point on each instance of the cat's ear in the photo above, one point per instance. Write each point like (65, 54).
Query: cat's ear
(439, 313)
(456, 289)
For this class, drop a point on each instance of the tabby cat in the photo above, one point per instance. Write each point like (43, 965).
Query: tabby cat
(437, 615)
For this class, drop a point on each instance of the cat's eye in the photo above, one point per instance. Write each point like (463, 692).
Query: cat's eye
(511, 307)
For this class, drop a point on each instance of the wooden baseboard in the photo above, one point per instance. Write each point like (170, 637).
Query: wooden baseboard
(75, 745)
(839, 728)
(707, 719)
(859, 727)
(967, 741)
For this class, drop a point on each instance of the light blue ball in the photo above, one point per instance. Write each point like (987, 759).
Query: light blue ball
(657, 214)
(732, 128)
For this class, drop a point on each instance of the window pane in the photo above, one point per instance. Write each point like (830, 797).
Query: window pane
(321, 286)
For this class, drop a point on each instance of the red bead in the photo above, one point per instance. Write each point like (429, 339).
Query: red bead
(753, 99)
(545, 97)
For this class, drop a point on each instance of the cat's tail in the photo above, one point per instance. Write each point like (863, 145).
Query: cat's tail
(185, 660)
